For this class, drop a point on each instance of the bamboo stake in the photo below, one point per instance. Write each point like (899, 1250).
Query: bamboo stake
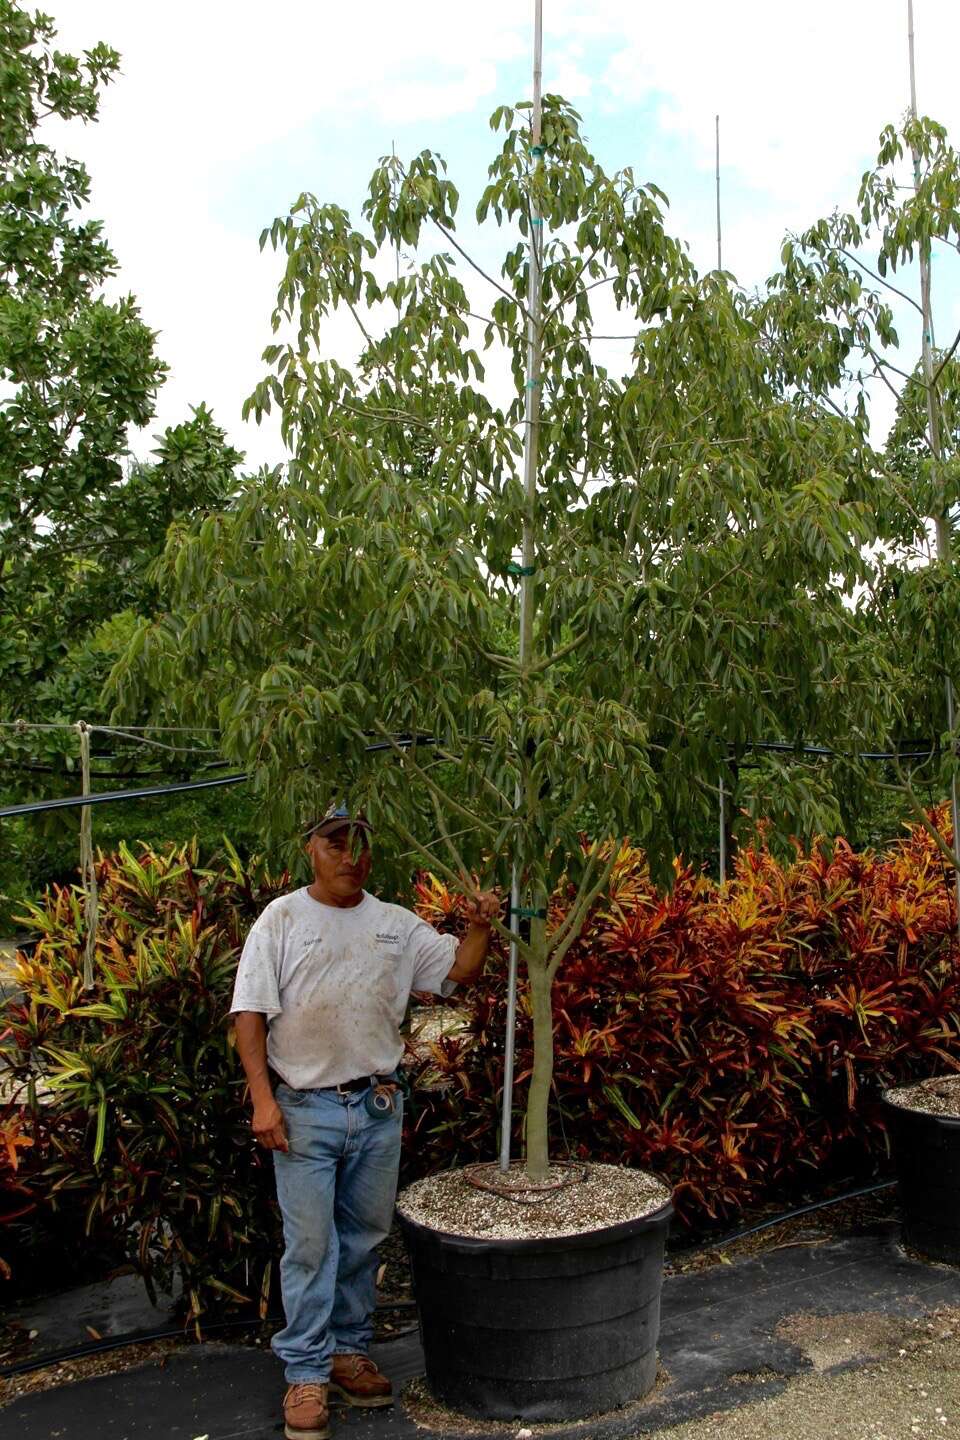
(719, 248)
(531, 450)
(941, 521)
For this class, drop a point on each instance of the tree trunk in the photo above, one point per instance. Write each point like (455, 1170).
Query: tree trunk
(538, 1098)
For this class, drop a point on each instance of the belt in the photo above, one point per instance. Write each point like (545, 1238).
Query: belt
(363, 1082)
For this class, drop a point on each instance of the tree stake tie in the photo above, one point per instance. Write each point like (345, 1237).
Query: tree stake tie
(88, 871)
(526, 913)
(533, 1192)
(514, 569)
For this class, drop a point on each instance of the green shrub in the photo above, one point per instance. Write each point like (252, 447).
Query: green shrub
(144, 1129)
(734, 1041)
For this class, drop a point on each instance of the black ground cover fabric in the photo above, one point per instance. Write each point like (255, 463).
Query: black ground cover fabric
(718, 1327)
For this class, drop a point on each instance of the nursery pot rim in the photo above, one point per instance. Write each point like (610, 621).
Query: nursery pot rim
(952, 1122)
(533, 1244)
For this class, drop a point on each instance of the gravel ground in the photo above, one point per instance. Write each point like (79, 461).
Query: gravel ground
(911, 1390)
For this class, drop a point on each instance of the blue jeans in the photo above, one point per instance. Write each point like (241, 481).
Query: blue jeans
(337, 1187)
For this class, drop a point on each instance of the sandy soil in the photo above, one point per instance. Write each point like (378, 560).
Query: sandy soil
(911, 1389)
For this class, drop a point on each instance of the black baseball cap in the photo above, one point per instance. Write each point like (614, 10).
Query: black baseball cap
(338, 817)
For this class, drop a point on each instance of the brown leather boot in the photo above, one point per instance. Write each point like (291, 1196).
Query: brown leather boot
(356, 1379)
(305, 1412)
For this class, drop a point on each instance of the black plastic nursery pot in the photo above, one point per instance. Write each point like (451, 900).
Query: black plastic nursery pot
(926, 1149)
(546, 1329)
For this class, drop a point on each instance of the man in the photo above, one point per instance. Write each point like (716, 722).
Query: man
(321, 990)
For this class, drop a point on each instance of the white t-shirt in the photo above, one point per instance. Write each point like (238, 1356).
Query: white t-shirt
(334, 984)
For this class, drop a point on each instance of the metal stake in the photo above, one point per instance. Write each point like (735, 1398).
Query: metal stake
(531, 450)
(510, 1040)
(88, 870)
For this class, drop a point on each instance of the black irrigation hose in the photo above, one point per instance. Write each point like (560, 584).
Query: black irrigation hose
(787, 1215)
(784, 747)
(31, 769)
(112, 797)
(169, 1332)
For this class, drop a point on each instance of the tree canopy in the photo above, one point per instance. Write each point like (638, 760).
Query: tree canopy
(700, 526)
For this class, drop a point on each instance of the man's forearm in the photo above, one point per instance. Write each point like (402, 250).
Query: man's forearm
(251, 1031)
(471, 953)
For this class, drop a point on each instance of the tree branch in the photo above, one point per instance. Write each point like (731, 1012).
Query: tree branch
(945, 361)
(431, 785)
(488, 783)
(470, 261)
(560, 654)
(580, 913)
(384, 416)
(568, 296)
(431, 859)
(879, 278)
(905, 788)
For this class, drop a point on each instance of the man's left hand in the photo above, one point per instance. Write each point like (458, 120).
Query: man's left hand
(482, 908)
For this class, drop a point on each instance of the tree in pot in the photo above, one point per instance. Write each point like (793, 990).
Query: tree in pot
(683, 536)
(845, 272)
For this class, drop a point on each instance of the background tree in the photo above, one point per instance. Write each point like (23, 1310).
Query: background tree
(698, 528)
(831, 323)
(77, 369)
(105, 589)
(80, 523)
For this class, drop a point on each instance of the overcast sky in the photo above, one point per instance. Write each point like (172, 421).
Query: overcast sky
(225, 110)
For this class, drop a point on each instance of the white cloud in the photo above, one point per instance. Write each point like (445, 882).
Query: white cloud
(208, 84)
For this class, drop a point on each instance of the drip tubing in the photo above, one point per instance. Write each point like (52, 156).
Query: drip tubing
(402, 742)
(167, 1332)
(787, 1215)
(111, 797)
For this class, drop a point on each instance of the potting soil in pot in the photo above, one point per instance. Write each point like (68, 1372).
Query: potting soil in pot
(608, 1195)
(939, 1096)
